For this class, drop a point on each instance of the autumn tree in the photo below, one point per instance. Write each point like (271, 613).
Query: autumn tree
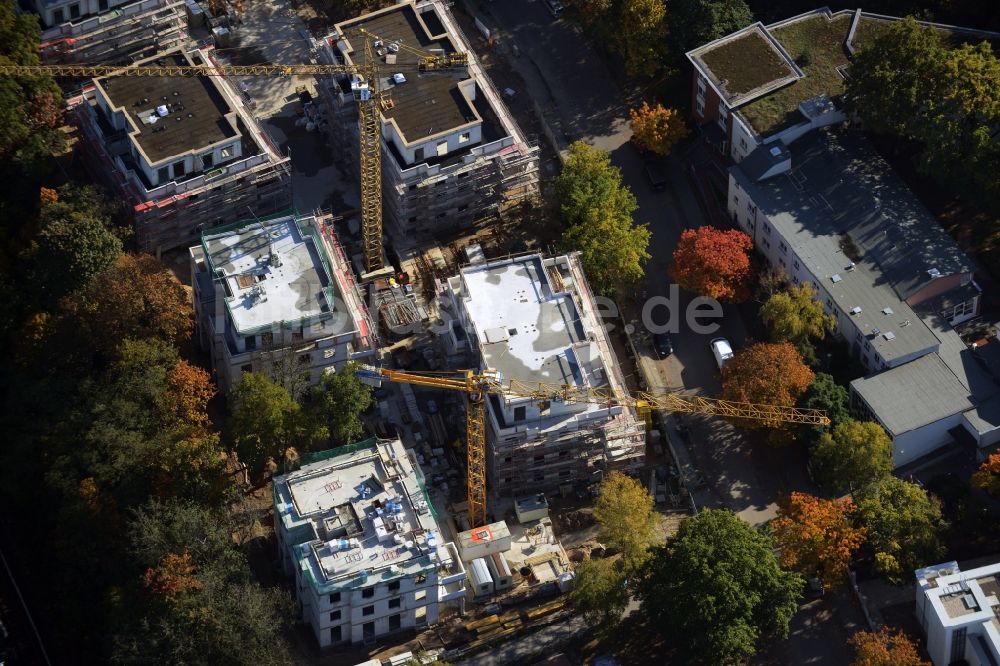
(633, 29)
(885, 648)
(816, 536)
(904, 526)
(716, 589)
(599, 591)
(624, 511)
(795, 316)
(766, 373)
(691, 23)
(135, 297)
(987, 476)
(853, 455)
(597, 208)
(713, 262)
(189, 388)
(337, 402)
(657, 128)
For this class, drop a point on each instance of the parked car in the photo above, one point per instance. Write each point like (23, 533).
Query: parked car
(663, 345)
(555, 7)
(656, 171)
(722, 350)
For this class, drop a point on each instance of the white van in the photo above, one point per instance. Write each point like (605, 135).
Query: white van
(722, 350)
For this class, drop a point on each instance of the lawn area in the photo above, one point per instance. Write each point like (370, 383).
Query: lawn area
(745, 64)
(816, 44)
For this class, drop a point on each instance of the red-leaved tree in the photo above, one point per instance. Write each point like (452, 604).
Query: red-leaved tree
(987, 476)
(766, 373)
(885, 648)
(713, 262)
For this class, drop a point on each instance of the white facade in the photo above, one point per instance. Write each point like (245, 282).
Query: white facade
(358, 533)
(293, 317)
(960, 613)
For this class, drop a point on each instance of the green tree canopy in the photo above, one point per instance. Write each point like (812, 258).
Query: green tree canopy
(624, 510)
(716, 589)
(74, 242)
(691, 23)
(795, 316)
(904, 526)
(826, 394)
(853, 455)
(633, 29)
(337, 403)
(266, 421)
(597, 211)
(599, 591)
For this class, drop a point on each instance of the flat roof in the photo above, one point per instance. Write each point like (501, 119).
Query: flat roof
(841, 203)
(272, 272)
(745, 65)
(914, 394)
(427, 103)
(195, 111)
(525, 329)
(365, 513)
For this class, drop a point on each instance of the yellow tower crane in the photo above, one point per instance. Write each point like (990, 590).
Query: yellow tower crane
(475, 386)
(372, 100)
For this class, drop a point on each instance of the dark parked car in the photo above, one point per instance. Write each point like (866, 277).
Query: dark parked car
(663, 345)
(656, 171)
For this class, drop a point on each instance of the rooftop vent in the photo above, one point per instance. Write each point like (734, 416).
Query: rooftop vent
(933, 272)
(887, 311)
(889, 335)
(876, 331)
(398, 78)
(850, 267)
(775, 151)
(161, 110)
(856, 310)
(835, 278)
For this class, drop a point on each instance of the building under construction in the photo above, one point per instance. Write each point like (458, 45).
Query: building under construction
(534, 320)
(183, 153)
(108, 31)
(451, 152)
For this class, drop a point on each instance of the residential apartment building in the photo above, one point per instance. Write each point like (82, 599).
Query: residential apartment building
(183, 153)
(277, 296)
(959, 612)
(830, 211)
(108, 31)
(451, 152)
(534, 320)
(774, 83)
(356, 528)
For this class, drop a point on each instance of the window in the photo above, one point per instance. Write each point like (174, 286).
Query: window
(506, 459)
(334, 616)
(335, 598)
(564, 454)
(368, 630)
(767, 244)
(251, 342)
(420, 596)
(393, 586)
(207, 161)
(226, 152)
(102, 5)
(564, 472)
(767, 229)
(394, 622)
(464, 137)
(520, 413)
(701, 84)
(305, 359)
(867, 346)
(958, 644)
(749, 206)
(246, 368)
(418, 154)
(267, 339)
(701, 107)
(783, 248)
(335, 634)
(736, 200)
(58, 16)
(368, 593)
(795, 264)
(795, 280)
(368, 610)
(178, 169)
(540, 459)
(420, 579)
(395, 603)
(743, 144)
(74, 11)
(162, 175)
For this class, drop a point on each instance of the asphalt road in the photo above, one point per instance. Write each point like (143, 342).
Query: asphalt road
(559, 67)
